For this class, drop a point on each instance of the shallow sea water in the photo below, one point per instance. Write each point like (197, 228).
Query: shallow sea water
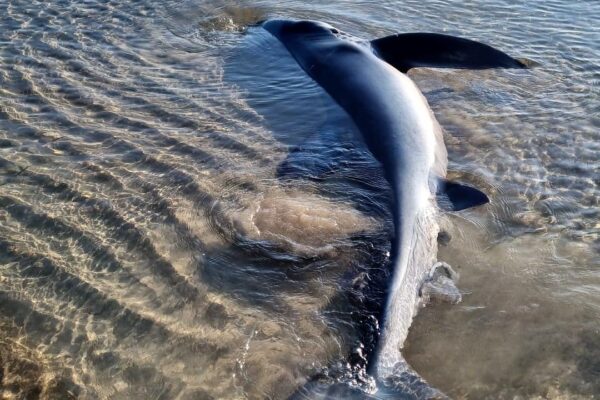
(150, 248)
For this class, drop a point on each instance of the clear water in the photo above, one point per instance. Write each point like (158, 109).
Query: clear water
(148, 248)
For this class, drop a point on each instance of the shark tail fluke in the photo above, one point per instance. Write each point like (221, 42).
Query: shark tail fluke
(410, 50)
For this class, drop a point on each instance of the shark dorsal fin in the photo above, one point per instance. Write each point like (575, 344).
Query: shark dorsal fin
(452, 196)
(410, 50)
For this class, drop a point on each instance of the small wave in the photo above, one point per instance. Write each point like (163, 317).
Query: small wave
(211, 22)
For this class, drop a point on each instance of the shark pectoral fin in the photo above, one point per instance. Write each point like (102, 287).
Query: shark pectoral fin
(410, 50)
(452, 196)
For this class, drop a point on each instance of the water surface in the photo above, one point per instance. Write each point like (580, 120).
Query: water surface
(149, 247)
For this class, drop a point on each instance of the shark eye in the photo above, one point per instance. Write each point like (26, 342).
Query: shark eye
(334, 31)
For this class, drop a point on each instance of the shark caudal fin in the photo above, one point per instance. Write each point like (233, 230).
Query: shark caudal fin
(403, 384)
(410, 50)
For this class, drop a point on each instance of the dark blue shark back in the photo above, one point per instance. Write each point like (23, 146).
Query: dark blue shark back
(356, 79)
